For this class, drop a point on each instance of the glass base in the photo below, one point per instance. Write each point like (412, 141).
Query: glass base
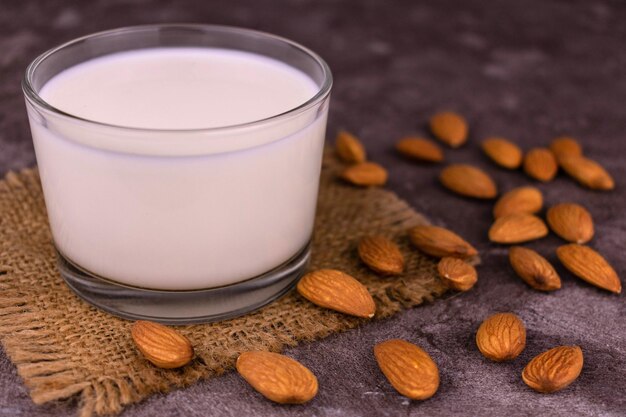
(184, 307)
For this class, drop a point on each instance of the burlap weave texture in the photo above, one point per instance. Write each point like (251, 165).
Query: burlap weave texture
(63, 347)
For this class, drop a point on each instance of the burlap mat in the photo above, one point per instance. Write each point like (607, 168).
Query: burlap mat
(62, 347)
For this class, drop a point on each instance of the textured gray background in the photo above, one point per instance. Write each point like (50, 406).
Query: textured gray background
(527, 70)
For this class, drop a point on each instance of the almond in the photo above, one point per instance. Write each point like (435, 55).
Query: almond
(408, 368)
(565, 145)
(540, 164)
(468, 181)
(381, 255)
(420, 149)
(554, 369)
(587, 172)
(450, 128)
(503, 152)
(534, 269)
(337, 291)
(349, 148)
(161, 345)
(277, 377)
(457, 274)
(590, 266)
(571, 221)
(519, 200)
(501, 337)
(440, 242)
(517, 228)
(365, 174)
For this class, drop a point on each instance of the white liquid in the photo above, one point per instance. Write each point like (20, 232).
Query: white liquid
(179, 88)
(173, 209)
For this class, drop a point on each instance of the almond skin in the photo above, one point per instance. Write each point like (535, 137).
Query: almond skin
(519, 200)
(503, 152)
(565, 145)
(534, 269)
(365, 174)
(571, 221)
(450, 128)
(501, 337)
(277, 377)
(408, 368)
(540, 164)
(161, 345)
(590, 266)
(517, 228)
(587, 172)
(420, 149)
(554, 369)
(457, 274)
(439, 242)
(381, 255)
(337, 291)
(349, 149)
(468, 181)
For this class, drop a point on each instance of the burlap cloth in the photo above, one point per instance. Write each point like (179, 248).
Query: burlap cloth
(63, 347)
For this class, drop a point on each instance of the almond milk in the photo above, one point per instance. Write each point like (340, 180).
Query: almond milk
(173, 187)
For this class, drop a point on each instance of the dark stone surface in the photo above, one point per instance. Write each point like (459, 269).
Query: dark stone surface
(526, 70)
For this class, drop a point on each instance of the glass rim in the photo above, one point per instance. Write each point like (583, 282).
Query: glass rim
(324, 90)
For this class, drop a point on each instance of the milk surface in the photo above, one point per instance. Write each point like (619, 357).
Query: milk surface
(180, 209)
(179, 88)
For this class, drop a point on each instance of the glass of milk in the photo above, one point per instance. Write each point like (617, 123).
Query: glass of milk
(180, 166)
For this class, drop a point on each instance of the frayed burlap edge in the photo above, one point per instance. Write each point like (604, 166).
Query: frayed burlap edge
(63, 348)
